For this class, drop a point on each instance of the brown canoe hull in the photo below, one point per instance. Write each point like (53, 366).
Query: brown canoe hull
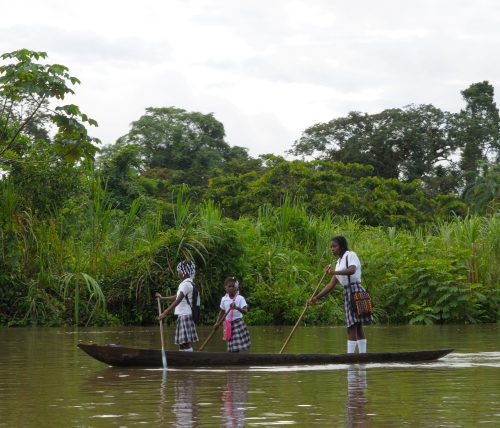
(137, 357)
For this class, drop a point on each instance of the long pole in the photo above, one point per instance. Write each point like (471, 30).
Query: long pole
(163, 355)
(302, 315)
(214, 330)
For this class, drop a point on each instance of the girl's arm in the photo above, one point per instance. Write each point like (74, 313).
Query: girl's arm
(170, 298)
(329, 287)
(351, 270)
(243, 310)
(172, 306)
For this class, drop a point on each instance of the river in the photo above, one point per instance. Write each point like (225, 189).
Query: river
(46, 381)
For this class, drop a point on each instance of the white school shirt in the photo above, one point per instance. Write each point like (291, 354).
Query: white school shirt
(183, 307)
(352, 259)
(226, 302)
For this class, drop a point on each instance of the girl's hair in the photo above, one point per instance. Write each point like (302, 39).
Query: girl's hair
(187, 268)
(342, 243)
(231, 279)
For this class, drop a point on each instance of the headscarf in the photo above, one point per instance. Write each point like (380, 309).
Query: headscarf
(186, 267)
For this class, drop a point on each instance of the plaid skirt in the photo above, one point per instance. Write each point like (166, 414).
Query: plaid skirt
(351, 316)
(240, 337)
(185, 332)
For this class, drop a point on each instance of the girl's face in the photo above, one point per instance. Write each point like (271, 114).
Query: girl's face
(335, 248)
(230, 289)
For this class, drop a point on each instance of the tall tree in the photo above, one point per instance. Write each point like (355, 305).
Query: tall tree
(407, 143)
(478, 127)
(26, 89)
(189, 144)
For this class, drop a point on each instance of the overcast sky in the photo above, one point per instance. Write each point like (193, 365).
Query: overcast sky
(266, 69)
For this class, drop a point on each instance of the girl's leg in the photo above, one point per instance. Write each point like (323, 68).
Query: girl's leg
(361, 338)
(352, 332)
(352, 340)
(356, 336)
(360, 332)
(185, 346)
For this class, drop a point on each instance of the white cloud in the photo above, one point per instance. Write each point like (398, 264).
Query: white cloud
(300, 13)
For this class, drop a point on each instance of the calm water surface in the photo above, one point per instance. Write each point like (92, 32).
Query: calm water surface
(46, 381)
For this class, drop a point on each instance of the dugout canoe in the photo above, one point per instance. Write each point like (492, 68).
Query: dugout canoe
(138, 357)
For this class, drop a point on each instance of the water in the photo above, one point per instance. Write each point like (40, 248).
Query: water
(46, 381)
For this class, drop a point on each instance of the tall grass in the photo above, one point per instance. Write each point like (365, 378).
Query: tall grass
(99, 265)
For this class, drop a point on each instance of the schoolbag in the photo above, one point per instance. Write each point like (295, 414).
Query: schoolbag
(195, 308)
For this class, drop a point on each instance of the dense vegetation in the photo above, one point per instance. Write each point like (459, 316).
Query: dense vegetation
(88, 241)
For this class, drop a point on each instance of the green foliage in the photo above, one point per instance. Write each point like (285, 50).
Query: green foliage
(186, 145)
(478, 126)
(407, 143)
(80, 260)
(483, 195)
(24, 81)
(87, 245)
(45, 189)
(334, 188)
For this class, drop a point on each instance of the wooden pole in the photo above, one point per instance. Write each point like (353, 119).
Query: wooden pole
(214, 330)
(163, 355)
(302, 315)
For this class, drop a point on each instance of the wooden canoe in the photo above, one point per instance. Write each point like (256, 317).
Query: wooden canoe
(137, 357)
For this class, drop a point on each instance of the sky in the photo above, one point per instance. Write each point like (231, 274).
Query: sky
(267, 70)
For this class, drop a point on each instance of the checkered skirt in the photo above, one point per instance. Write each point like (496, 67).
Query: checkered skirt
(351, 316)
(240, 337)
(185, 332)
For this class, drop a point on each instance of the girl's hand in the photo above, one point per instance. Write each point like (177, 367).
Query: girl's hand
(328, 270)
(232, 305)
(158, 295)
(312, 301)
(162, 316)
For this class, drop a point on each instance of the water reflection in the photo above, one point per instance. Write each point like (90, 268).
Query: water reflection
(234, 399)
(356, 403)
(185, 406)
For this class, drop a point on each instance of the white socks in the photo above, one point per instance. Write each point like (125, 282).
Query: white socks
(351, 346)
(186, 350)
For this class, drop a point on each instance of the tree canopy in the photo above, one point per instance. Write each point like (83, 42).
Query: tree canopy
(414, 142)
(184, 145)
(26, 90)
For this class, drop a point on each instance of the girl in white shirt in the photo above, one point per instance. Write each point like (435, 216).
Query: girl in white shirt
(185, 332)
(348, 273)
(240, 337)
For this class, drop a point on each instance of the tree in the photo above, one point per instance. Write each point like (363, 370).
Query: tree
(47, 183)
(331, 188)
(188, 144)
(26, 90)
(478, 127)
(408, 143)
(120, 173)
(483, 194)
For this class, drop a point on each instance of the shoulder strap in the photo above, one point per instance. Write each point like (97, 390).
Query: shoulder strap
(232, 310)
(186, 297)
(347, 267)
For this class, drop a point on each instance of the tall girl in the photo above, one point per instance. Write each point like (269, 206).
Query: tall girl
(348, 273)
(185, 332)
(240, 337)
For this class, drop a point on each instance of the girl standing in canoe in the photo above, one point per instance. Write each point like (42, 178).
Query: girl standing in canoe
(240, 337)
(348, 273)
(185, 332)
